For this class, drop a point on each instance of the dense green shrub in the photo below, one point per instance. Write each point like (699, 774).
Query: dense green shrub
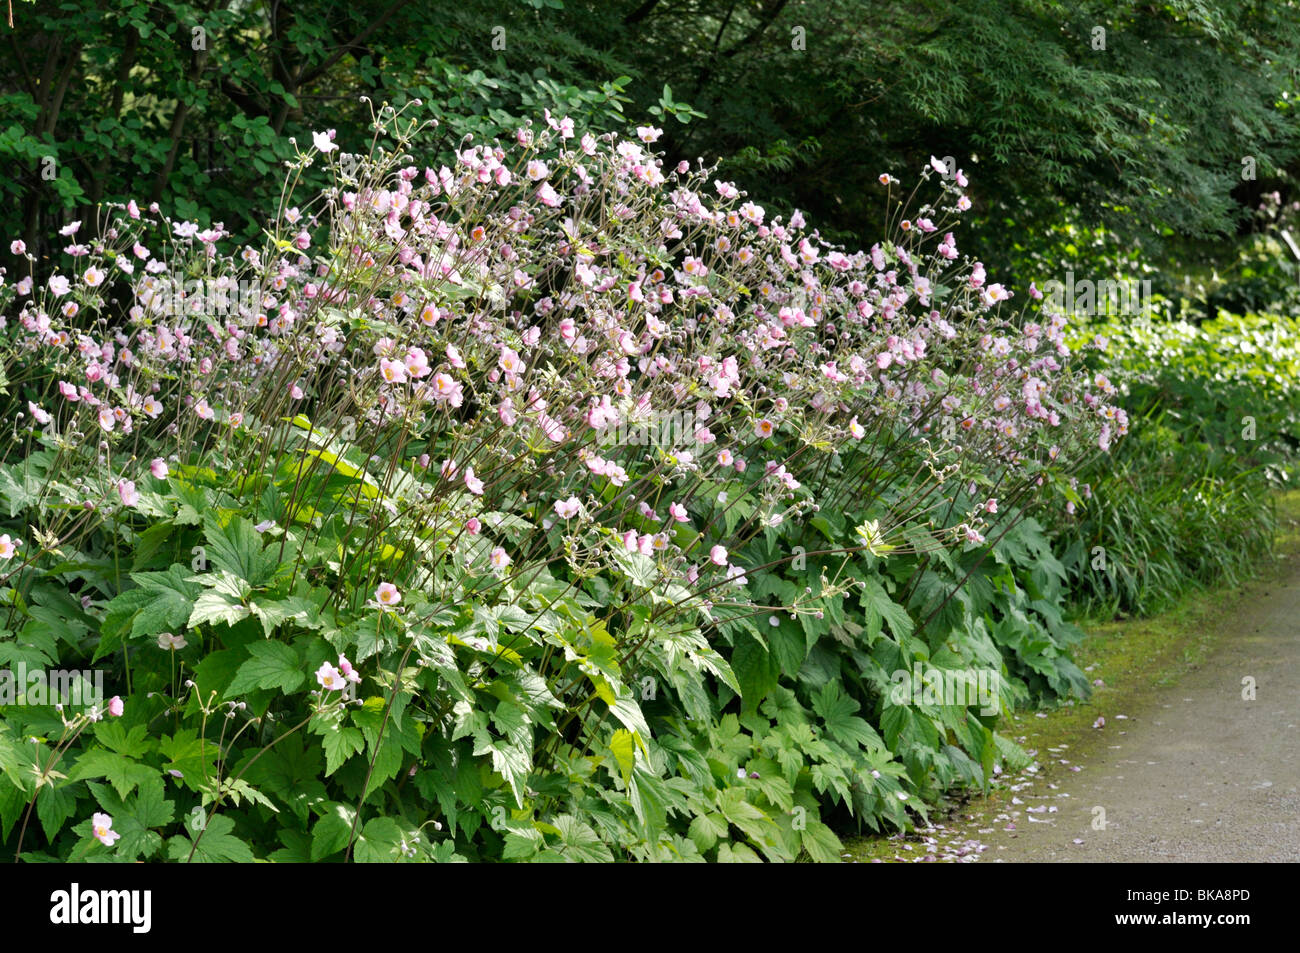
(1186, 499)
(997, 608)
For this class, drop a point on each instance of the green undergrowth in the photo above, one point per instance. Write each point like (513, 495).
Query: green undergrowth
(1182, 502)
(1128, 657)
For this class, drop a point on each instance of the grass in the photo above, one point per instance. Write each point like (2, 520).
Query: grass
(1129, 657)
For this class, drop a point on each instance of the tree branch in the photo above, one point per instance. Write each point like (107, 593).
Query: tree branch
(707, 71)
(357, 40)
(124, 65)
(770, 13)
(640, 13)
(197, 63)
(22, 65)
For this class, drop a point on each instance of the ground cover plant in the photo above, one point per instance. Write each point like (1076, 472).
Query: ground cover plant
(1187, 500)
(553, 504)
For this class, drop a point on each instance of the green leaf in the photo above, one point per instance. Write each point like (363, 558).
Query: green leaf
(870, 536)
(297, 609)
(150, 541)
(216, 671)
(162, 603)
(380, 841)
(789, 646)
(880, 608)
(623, 747)
(296, 849)
(756, 670)
(187, 753)
(837, 712)
(215, 844)
(137, 818)
(54, 805)
(512, 762)
(330, 834)
(237, 548)
(649, 798)
(706, 829)
(628, 712)
(522, 845)
(291, 771)
(272, 665)
(579, 841)
(134, 743)
(821, 843)
(340, 743)
(193, 502)
(19, 489)
(387, 761)
(123, 773)
(215, 606)
(118, 618)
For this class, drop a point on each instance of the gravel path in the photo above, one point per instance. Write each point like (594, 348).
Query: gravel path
(1196, 773)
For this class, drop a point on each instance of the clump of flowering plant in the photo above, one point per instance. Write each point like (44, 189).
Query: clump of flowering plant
(515, 434)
